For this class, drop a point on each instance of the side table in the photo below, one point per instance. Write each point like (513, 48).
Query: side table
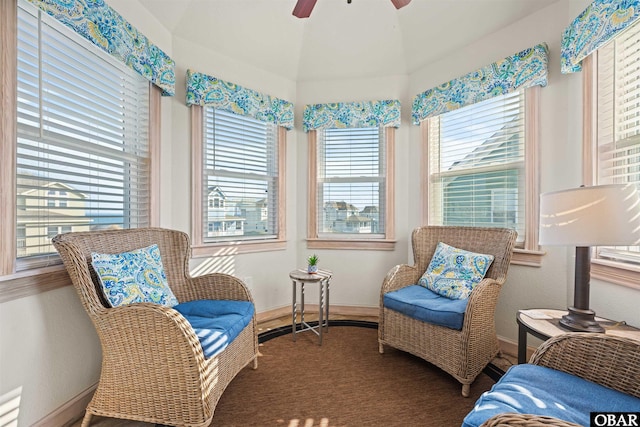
(543, 323)
(322, 278)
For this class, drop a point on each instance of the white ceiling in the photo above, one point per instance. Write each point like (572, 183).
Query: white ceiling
(367, 38)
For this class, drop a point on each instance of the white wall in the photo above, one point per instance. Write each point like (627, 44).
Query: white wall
(266, 273)
(49, 353)
(550, 286)
(526, 287)
(48, 348)
(357, 274)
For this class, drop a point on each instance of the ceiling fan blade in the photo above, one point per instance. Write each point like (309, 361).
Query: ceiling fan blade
(400, 3)
(303, 8)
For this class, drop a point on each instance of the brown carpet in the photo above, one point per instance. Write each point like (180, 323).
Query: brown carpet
(344, 382)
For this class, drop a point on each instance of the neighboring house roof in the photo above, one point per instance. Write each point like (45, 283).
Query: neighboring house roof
(216, 189)
(370, 210)
(358, 218)
(341, 206)
(489, 147)
(253, 202)
(35, 184)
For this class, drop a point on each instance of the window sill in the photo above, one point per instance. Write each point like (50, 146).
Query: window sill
(615, 272)
(379, 245)
(235, 248)
(32, 282)
(527, 257)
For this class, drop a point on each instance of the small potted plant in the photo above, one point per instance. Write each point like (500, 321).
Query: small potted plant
(312, 264)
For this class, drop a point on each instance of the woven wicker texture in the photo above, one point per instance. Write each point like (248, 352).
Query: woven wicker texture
(608, 360)
(525, 420)
(153, 367)
(464, 353)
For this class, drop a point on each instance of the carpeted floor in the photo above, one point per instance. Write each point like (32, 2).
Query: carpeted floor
(344, 382)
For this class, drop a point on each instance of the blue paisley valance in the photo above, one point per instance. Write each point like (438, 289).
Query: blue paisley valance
(522, 70)
(593, 28)
(207, 90)
(104, 27)
(352, 114)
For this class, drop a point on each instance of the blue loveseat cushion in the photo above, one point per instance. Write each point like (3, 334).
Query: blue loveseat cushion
(532, 389)
(216, 322)
(423, 304)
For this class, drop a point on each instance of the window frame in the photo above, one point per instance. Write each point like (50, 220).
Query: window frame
(314, 241)
(529, 254)
(203, 249)
(610, 271)
(14, 285)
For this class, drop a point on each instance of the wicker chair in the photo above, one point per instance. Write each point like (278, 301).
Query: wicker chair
(461, 353)
(153, 366)
(607, 360)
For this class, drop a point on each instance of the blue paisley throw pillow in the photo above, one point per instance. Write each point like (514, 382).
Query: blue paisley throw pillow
(136, 276)
(453, 272)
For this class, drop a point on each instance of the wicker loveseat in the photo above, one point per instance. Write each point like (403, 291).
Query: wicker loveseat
(462, 351)
(154, 367)
(567, 378)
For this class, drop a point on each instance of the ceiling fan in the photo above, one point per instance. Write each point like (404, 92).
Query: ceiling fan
(303, 8)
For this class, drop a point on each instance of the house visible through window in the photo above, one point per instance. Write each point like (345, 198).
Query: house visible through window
(351, 188)
(82, 138)
(240, 178)
(351, 181)
(477, 165)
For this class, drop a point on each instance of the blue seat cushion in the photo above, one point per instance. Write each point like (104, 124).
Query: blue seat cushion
(532, 389)
(216, 322)
(423, 304)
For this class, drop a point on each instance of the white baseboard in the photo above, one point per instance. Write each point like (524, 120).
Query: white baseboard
(276, 313)
(70, 412)
(511, 348)
(73, 410)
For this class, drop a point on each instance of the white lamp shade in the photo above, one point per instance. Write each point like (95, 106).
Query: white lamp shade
(606, 215)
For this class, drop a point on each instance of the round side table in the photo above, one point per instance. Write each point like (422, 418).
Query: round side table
(543, 323)
(322, 278)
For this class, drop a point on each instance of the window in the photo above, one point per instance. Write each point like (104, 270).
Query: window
(504, 206)
(612, 155)
(77, 150)
(241, 183)
(480, 168)
(351, 181)
(350, 188)
(82, 150)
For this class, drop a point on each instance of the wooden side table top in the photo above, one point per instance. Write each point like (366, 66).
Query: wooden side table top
(302, 275)
(545, 322)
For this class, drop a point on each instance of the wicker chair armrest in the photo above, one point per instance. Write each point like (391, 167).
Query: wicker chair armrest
(131, 332)
(483, 298)
(611, 361)
(214, 286)
(399, 277)
(509, 419)
(479, 316)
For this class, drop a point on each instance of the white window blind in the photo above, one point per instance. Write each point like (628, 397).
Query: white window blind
(476, 165)
(351, 182)
(618, 119)
(82, 140)
(240, 200)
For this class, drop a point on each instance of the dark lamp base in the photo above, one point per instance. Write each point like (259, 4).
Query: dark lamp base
(578, 320)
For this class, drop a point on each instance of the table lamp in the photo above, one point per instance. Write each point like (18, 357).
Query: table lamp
(602, 215)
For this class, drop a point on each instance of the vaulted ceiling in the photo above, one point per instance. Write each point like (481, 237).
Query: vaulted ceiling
(366, 38)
